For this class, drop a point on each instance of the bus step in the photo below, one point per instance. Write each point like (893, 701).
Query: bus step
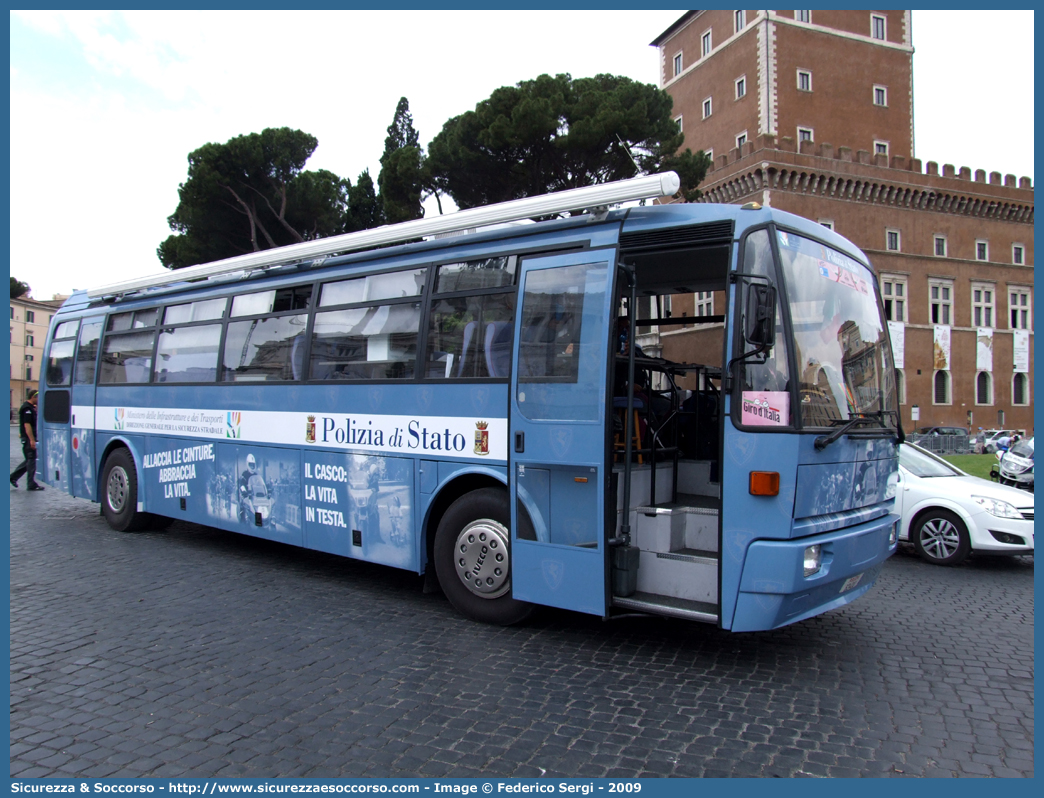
(690, 574)
(676, 526)
(671, 607)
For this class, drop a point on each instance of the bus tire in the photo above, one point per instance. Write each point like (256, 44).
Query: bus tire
(119, 489)
(473, 558)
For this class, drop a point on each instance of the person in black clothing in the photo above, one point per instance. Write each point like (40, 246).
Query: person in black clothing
(27, 429)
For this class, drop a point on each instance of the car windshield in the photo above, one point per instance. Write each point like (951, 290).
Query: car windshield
(843, 354)
(1023, 448)
(921, 464)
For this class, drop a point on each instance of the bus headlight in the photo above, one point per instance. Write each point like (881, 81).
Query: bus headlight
(813, 559)
(893, 535)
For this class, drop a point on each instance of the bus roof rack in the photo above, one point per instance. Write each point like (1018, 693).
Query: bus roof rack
(646, 187)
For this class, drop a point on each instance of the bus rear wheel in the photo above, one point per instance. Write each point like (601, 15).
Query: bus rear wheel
(473, 558)
(119, 498)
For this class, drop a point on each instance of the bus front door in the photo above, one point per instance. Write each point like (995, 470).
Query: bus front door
(557, 440)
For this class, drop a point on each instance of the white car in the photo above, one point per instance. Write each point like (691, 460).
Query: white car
(946, 513)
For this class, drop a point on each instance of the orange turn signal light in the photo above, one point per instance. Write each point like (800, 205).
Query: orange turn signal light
(764, 483)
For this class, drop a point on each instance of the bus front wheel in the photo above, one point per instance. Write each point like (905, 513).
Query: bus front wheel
(119, 498)
(473, 558)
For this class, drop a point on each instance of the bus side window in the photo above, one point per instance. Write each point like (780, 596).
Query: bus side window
(188, 354)
(127, 358)
(265, 349)
(471, 324)
(378, 342)
(87, 356)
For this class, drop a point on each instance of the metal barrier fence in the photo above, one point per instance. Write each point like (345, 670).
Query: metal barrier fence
(943, 444)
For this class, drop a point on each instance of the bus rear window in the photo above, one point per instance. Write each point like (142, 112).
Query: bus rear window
(60, 362)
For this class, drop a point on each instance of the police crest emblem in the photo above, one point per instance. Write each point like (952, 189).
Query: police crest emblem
(481, 437)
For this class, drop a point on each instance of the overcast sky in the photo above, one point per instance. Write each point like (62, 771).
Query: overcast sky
(106, 106)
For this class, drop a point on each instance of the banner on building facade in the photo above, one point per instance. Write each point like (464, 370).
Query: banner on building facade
(897, 333)
(1020, 350)
(984, 349)
(941, 348)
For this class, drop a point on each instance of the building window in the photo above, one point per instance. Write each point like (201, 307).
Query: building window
(706, 44)
(741, 88)
(1020, 389)
(741, 139)
(12, 312)
(940, 246)
(982, 249)
(877, 27)
(900, 386)
(29, 358)
(30, 317)
(881, 148)
(804, 134)
(28, 340)
(1019, 307)
(741, 20)
(941, 301)
(892, 240)
(677, 64)
(982, 304)
(678, 121)
(893, 290)
(704, 303)
(28, 372)
(804, 80)
(941, 388)
(1018, 254)
(803, 16)
(710, 155)
(827, 223)
(707, 107)
(983, 388)
(880, 95)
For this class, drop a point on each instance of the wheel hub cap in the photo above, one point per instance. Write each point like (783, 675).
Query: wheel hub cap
(939, 538)
(481, 558)
(117, 489)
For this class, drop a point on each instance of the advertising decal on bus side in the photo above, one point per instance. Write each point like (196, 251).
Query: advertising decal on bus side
(445, 436)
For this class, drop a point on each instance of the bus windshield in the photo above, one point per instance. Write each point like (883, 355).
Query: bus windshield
(841, 341)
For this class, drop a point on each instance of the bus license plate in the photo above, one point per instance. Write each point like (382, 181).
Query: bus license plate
(851, 582)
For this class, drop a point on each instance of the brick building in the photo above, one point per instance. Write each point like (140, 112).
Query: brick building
(812, 112)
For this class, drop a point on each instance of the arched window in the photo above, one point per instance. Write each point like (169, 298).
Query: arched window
(984, 388)
(941, 392)
(1020, 390)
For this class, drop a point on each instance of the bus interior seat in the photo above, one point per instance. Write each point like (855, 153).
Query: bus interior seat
(498, 348)
(465, 347)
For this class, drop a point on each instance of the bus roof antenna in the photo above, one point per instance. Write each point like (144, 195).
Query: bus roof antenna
(646, 187)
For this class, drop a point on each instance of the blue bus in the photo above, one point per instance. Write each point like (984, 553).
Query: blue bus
(685, 410)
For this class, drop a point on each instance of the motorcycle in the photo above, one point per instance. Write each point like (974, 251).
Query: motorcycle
(1015, 466)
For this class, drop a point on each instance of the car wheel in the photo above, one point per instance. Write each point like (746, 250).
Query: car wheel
(941, 538)
(119, 498)
(473, 558)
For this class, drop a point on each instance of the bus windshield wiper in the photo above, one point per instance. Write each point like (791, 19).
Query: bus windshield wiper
(879, 417)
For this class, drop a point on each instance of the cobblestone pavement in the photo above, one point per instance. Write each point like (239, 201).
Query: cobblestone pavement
(195, 652)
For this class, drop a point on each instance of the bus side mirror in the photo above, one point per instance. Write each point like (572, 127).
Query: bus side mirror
(759, 323)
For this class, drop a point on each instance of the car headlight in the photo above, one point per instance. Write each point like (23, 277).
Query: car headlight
(813, 559)
(997, 507)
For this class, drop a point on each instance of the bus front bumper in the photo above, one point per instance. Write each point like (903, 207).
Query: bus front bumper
(774, 590)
